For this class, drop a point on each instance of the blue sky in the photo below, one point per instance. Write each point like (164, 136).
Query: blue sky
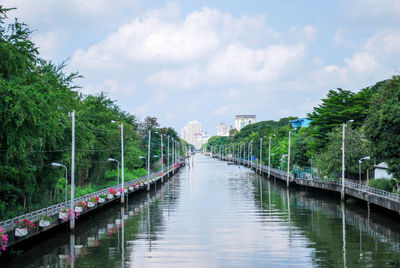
(209, 60)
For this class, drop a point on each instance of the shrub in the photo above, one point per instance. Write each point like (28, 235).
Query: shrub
(381, 184)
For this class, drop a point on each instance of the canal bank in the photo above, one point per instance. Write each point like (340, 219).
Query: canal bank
(57, 221)
(371, 196)
(218, 215)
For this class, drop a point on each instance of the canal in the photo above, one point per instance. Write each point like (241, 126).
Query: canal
(216, 215)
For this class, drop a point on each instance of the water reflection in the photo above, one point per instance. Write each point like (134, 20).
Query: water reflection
(215, 215)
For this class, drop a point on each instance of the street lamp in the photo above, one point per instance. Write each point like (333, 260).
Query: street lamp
(122, 161)
(269, 154)
(261, 153)
(54, 164)
(343, 155)
(115, 160)
(359, 166)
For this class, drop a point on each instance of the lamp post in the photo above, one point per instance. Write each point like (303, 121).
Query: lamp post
(148, 156)
(162, 154)
(269, 154)
(54, 164)
(122, 162)
(261, 153)
(72, 219)
(359, 166)
(288, 165)
(343, 156)
(115, 160)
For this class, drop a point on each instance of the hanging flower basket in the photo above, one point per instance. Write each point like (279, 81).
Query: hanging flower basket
(44, 221)
(3, 239)
(91, 204)
(131, 188)
(110, 196)
(66, 213)
(20, 232)
(93, 200)
(78, 209)
(118, 194)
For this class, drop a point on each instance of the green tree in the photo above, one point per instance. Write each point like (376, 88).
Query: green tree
(383, 125)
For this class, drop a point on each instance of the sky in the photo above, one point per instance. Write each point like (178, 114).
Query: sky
(211, 60)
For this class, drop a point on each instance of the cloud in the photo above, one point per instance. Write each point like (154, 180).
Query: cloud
(240, 64)
(182, 78)
(372, 9)
(49, 43)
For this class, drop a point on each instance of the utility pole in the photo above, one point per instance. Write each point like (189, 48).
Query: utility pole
(122, 165)
(288, 167)
(72, 204)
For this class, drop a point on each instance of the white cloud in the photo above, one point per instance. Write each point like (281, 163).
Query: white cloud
(372, 9)
(386, 42)
(50, 42)
(241, 64)
(183, 78)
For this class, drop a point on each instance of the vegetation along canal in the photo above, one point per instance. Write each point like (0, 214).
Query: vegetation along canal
(216, 215)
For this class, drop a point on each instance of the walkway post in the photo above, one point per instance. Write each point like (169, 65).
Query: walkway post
(288, 168)
(148, 160)
(72, 205)
(122, 165)
(269, 155)
(162, 159)
(343, 156)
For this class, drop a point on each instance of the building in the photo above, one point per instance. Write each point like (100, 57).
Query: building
(223, 130)
(193, 134)
(244, 120)
(301, 122)
(380, 171)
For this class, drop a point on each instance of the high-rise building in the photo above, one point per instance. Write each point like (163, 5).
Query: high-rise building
(243, 120)
(223, 130)
(193, 134)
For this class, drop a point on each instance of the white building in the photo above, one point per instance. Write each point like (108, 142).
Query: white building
(380, 171)
(193, 134)
(243, 120)
(223, 130)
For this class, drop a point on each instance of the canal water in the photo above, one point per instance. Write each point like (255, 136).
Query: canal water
(216, 215)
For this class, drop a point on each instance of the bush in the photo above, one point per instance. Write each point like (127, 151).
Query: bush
(381, 184)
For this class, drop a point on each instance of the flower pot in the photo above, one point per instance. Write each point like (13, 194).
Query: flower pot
(44, 223)
(131, 188)
(102, 200)
(110, 196)
(118, 221)
(136, 186)
(20, 232)
(125, 190)
(110, 226)
(63, 215)
(118, 194)
(91, 241)
(78, 209)
(91, 204)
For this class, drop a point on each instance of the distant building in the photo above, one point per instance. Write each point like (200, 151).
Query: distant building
(223, 130)
(301, 122)
(244, 120)
(193, 134)
(380, 171)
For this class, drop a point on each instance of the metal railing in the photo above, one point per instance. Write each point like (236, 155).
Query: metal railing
(281, 173)
(8, 225)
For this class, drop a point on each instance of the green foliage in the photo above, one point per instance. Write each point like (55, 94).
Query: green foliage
(383, 125)
(36, 97)
(381, 184)
(338, 107)
(329, 162)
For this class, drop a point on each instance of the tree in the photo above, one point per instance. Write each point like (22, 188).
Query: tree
(382, 126)
(339, 107)
(329, 161)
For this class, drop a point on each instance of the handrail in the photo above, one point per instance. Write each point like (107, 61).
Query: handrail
(349, 184)
(55, 209)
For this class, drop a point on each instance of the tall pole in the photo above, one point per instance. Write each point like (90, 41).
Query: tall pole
(148, 157)
(168, 153)
(72, 205)
(288, 165)
(122, 165)
(260, 154)
(343, 158)
(359, 171)
(162, 154)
